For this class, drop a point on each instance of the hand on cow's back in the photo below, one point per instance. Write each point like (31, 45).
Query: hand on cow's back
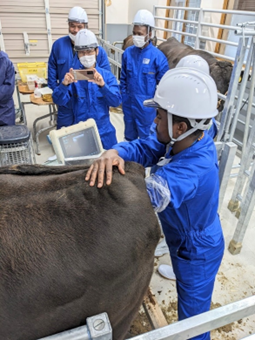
(101, 169)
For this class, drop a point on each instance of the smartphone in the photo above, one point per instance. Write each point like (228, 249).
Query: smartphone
(83, 74)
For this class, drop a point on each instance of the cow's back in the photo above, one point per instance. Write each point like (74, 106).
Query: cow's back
(69, 251)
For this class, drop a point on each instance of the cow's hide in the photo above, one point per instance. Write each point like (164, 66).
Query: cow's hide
(219, 70)
(69, 251)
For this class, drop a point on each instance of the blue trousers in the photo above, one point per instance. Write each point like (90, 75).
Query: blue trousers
(195, 282)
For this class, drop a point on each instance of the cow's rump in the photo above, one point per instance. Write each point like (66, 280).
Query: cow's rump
(69, 251)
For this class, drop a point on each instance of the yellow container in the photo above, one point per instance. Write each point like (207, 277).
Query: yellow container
(26, 69)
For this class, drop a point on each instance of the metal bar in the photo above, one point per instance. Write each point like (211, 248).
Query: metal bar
(251, 96)
(226, 42)
(204, 322)
(200, 18)
(80, 333)
(26, 43)
(242, 91)
(2, 47)
(48, 23)
(225, 166)
(245, 216)
(227, 11)
(228, 107)
(245, 163)
(196, 22)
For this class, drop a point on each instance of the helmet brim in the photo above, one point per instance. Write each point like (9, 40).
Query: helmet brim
(77, 20)
(151, 103)
(82, 48)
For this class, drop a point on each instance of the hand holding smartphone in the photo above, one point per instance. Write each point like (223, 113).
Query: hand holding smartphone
(87, 74)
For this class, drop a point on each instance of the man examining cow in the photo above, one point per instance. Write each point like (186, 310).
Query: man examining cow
(184, 187)
(143, 65)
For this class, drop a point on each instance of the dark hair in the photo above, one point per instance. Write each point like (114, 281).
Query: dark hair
(197, 133)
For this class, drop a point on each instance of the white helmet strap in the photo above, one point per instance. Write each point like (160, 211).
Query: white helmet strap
(195, 126)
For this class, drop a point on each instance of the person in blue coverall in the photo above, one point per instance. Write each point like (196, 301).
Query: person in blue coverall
(63, 57)
(143, 65)
(92, 98)
(7, 84)
(184, 189)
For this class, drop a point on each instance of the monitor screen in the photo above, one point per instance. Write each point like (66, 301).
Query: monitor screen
(80, 143)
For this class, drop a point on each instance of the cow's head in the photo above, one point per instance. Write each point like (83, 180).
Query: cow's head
(221, 73)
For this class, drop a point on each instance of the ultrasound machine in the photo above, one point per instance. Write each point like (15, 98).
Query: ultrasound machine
(77, 144)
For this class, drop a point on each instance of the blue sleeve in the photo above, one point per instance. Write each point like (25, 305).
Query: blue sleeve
(7, 79)
(123, 74)
(144, 151)
(111, 91)
(162, 66)
(181, 180)
(52, 70)
(103, 60)
(61, 94)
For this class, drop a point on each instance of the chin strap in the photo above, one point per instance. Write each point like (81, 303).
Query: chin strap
(195, 126)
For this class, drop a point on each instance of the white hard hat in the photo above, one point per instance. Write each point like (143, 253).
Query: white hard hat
(78, 14)
(84, 40)
(187, 93)
(144, 18)
(194, 61)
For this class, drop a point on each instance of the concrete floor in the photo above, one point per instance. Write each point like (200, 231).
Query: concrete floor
(236, 277)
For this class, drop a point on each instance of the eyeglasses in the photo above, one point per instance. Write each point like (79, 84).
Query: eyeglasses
(88, 51)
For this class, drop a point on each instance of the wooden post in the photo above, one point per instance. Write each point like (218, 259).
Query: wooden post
(185, 18)
(153, 311)
(222, 22)
(168, 3)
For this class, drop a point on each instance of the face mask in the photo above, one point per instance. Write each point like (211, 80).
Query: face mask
(72, 37)
(88, 60)
(139, 41)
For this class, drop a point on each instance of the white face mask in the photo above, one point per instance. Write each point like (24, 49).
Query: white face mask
(139, 40)
(88, 60)
(72, 37)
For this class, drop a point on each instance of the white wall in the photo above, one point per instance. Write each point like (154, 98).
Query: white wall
(123, 11)
(117, 12)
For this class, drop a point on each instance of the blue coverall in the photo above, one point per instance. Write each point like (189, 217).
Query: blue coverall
(190, 221)
(141, 71)
(7, 84)
(61, 59)
(88, 100)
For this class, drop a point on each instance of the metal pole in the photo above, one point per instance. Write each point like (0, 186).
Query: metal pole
(80, 333)
(242, 91)
(98, 328)
(202, 323)
(102, 13)
(245, 161)
(200, 19)
(228, 107)
(47, 14)
(248, 112)
(244, 219)
(2, 47)
(225, 166)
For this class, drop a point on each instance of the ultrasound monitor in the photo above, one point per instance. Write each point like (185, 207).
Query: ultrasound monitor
(77, 144)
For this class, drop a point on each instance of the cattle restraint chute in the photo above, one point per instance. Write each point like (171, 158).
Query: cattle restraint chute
(98, 328)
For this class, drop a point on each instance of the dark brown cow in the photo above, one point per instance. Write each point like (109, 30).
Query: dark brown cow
(69, 251)
(219, 70)
(174, 51)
